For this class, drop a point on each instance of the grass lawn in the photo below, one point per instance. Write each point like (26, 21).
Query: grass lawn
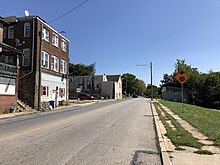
(179, 137)
(205, 120)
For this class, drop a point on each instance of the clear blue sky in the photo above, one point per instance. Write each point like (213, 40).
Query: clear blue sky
(119, 34)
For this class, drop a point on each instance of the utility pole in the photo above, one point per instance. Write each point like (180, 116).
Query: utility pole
(151, 80)
(151, 77)
(39, 67)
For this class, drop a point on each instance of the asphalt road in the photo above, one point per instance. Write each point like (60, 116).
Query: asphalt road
(119, 132)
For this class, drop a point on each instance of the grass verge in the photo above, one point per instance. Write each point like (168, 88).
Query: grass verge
(179, 136)
(205, 120)
(203, 152)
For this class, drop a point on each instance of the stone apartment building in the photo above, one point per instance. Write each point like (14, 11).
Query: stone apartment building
(106, 85)
(9, 72)
(175, 94)
(44, 64)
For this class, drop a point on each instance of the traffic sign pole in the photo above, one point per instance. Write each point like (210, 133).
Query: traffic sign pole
(182, 98)
(182, 77)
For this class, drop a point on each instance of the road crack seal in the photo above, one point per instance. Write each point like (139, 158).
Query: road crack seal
(135, 158)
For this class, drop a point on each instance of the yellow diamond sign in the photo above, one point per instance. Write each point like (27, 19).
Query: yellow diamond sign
(182, 77)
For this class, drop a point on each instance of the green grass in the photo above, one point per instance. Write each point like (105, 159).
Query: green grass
(203, 152)
(205, 120)
(179, 137)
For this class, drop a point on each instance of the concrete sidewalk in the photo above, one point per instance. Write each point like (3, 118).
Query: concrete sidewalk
(72, 104)
(170, 156)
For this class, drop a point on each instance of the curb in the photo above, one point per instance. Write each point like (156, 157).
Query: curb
(165, 144)
(12, 115)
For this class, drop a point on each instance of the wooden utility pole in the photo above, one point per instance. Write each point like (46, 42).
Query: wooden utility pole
(151, 80)
(39, 70)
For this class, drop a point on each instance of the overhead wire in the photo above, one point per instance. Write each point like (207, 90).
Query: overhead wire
(74, 8)
(155, 79)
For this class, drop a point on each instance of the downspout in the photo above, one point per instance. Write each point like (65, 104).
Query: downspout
(33, 44)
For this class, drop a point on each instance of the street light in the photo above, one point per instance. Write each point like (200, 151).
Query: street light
(150, 66)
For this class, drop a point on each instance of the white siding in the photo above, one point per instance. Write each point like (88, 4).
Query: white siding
(7, 89)
(52, 82)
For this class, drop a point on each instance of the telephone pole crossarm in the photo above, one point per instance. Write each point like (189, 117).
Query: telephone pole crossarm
(151, 77)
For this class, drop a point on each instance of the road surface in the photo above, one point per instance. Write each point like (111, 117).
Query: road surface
(119, 132)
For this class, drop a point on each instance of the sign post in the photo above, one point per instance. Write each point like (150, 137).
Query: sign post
(182, 77)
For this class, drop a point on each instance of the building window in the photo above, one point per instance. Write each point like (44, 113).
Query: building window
(9, 60)
(54, 63)
(62, 92)
(45, 60)
(89, 87)
(64, 45)
(27, 30)
(46, 35)
(45, 90)
(26, 57)
(55, 40)
(63, 66)
(10, 32)
(97, 86)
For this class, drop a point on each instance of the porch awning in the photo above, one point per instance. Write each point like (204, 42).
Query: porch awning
(7, 49)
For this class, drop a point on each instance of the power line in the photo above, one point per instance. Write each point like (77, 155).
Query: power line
(74, 8)
(155, 79)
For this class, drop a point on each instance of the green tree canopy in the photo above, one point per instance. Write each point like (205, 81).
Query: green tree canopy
(132, 85)
(204, 88)
(81, 69)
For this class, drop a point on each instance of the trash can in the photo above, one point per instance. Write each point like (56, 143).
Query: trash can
(52, 104)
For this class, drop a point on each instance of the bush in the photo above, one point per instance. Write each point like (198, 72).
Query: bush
(8, 110)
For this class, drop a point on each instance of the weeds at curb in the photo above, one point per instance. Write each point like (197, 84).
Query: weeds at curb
(179, 137)
(203, 152)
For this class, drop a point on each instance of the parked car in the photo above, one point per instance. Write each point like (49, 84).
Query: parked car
(97, 97)
(135, 96)
(85, 96)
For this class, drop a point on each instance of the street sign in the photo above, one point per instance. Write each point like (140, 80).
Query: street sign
(78, 90)
(182, 77)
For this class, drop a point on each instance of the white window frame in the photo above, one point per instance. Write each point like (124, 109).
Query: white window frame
(64, 45)
(26, 56)
(45, 59)
(27, 30)
(55, 40)
(61, 92)
(10, 32)
(63, 66)
(55, 63)
(46, 34)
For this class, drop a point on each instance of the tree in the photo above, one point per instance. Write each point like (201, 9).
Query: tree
(156, 91)
(168, 80)
(128, 83)
(140, 87)
(132, 85)
(81, 69)
(204, 88)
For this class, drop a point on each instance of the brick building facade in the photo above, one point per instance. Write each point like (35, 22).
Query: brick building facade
(9, 72)
(43, 66)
